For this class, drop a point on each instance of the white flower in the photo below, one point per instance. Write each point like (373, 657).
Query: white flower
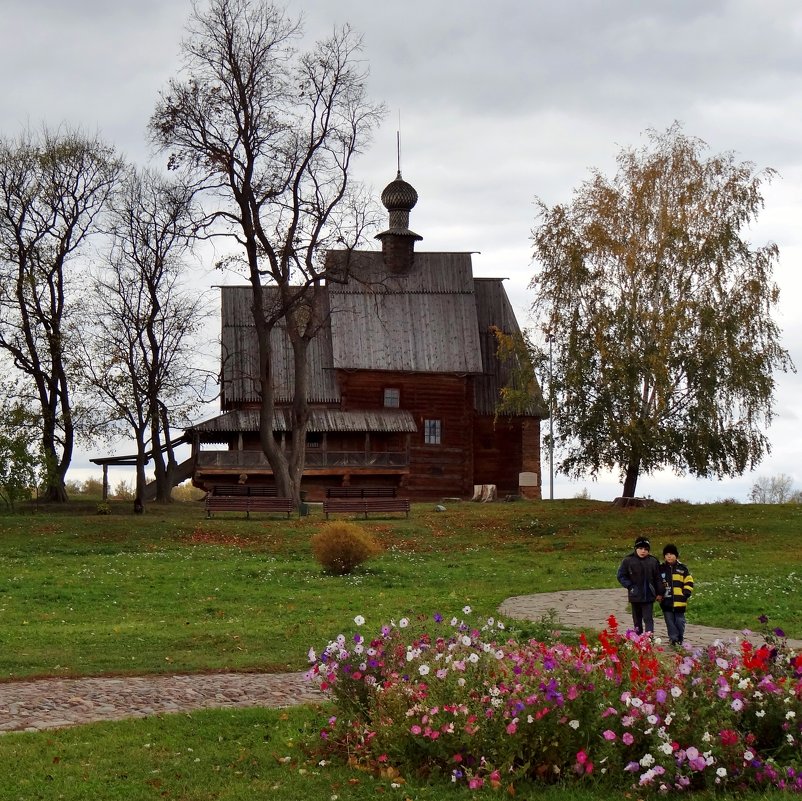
(499, 654)
(743, 684)
(473, 658)
(748, 756)
(676, 692)
(574, 724)
(760, 713)
(721, 772)
(790, 714)
(707, 737)
(653, 719)
(737, 704)
(636, 702)
(403, 623)
(311, 655)
(646, 760)
(466, 610)
(359, 620)
(667, 748)
(465, 639)
(423, 670)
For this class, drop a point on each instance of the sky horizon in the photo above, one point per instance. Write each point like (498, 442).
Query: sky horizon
(498, 106)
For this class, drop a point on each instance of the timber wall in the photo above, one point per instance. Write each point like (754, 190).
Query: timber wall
(436, 471)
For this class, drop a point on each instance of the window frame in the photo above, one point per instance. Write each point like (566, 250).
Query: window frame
(391, 392)
(432, 431)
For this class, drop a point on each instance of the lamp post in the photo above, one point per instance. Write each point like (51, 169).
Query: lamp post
(550, 339)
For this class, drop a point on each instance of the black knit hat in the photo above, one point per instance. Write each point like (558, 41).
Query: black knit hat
(671, 548)
(642, 542)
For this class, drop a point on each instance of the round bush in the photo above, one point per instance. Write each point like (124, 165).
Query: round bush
(340, 547)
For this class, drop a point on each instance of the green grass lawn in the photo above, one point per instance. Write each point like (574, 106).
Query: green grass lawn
(82, 594)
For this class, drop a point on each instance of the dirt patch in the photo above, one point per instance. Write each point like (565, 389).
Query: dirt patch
(201, 536)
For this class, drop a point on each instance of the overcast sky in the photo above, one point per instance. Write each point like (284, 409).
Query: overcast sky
(498, 103)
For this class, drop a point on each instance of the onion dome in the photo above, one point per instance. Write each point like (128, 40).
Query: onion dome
(399, 195)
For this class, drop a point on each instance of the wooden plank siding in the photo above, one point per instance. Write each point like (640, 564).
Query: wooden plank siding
(497, 454)
(434, 470)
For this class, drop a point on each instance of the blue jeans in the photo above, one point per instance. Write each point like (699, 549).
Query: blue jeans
(675, 623)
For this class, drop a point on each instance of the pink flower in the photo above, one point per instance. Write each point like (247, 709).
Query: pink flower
(609, 735)
(415, 729)
(628, 738)
(476, 782)
(512, 727)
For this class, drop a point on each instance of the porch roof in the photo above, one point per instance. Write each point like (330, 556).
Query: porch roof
(320, 420)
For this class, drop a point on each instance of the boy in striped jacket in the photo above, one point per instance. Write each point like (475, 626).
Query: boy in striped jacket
(679, 587)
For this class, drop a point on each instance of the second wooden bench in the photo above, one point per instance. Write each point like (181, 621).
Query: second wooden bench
(365, 505)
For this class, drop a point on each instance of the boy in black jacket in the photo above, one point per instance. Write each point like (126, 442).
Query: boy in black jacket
(679, 586)
(640, 574)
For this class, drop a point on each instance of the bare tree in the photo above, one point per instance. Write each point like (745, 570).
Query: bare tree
(52, 188)
(271, 135)
(140, 358)
(776, 489)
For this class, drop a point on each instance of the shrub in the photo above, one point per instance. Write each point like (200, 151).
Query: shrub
(103, 509)
(186, 492)
(340, 547)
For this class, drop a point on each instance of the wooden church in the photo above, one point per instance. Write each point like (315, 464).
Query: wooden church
(404, 380)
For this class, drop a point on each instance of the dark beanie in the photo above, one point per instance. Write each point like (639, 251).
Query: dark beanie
(671, 548)
(642, 542)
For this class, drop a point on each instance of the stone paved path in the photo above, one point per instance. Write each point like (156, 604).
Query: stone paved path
(55, 703)
(591, 608)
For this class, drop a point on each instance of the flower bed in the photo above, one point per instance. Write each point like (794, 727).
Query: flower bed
(466, 702)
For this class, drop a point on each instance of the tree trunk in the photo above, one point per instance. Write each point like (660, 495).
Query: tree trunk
(631, 478)
(55, 489)
(139, 489)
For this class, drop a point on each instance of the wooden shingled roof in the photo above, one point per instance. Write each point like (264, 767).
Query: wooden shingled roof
(434, 318)
(420, 321)
(240, 364)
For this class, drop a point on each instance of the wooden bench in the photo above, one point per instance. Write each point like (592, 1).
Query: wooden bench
(365, 505)
(360, 492)
(247, 504)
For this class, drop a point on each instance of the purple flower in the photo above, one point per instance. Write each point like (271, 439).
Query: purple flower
(779, 632)
(438, 618)
(763, 619)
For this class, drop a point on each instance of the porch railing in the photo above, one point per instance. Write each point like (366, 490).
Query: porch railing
(313, 458)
